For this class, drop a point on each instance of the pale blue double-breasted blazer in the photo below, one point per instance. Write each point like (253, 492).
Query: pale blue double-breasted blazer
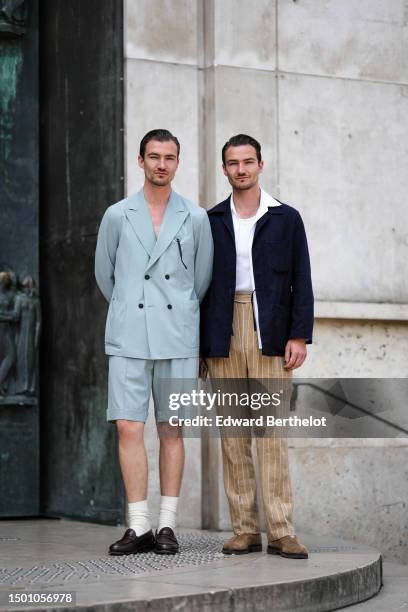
(154, 287)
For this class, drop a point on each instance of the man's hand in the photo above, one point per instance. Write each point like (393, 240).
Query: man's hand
(295, 353)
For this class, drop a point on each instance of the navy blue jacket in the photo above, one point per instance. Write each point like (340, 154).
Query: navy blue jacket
(282, 276)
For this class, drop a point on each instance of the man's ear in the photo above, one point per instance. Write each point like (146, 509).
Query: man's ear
(140, 161)
(224, 170)
(261, 165)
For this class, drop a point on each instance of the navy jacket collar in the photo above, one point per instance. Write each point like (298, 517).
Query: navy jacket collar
(224, 210)
(224, 207)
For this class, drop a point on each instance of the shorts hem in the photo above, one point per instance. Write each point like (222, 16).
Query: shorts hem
(162, 420)
(126, 417)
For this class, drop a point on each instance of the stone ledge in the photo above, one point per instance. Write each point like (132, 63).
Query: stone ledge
(361, 310)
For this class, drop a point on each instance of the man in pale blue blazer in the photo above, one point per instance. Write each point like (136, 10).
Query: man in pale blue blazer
(153, 264)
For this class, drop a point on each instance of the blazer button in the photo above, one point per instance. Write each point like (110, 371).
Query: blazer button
(140, 305)
(147, 276)
(169, 306)
(167, 276)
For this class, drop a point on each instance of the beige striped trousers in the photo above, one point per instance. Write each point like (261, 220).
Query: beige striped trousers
(246, 361)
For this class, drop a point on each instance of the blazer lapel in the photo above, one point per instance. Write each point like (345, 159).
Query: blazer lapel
(139, 218)
(173, 219)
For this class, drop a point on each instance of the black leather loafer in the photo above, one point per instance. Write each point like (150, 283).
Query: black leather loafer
(131, 544)
(166, 542)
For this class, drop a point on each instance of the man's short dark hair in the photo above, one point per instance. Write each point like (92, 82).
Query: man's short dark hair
(238, 141)
(161, 136)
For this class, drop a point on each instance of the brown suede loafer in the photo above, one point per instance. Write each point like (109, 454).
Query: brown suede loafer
(131, 544)
(243, 544)
(289, 547)
(166, 542)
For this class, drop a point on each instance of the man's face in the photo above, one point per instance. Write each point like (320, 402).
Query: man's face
(160, 162)
(242, 167)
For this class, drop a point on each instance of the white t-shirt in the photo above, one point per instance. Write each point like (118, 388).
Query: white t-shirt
(243, 237)
(244, 230)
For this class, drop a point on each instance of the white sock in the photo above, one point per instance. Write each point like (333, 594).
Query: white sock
(168, 511)
(138, 517)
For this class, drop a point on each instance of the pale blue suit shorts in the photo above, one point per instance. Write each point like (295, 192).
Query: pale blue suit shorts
(131, 381)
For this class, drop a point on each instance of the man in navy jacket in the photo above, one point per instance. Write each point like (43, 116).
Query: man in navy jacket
(256, 320)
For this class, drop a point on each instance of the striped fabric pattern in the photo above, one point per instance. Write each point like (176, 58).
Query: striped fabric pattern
(246, 361)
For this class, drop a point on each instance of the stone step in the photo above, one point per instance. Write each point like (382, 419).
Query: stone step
(393, 595)
(51, 556)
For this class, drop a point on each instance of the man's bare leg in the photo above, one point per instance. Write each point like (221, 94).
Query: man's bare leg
(171, 459)
(134, 467)
(171, 464)
(133, 459)
(133, 463)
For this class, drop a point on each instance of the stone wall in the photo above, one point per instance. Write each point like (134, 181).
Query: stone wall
(323, 86)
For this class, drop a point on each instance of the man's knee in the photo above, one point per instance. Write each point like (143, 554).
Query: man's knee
(130, 430)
